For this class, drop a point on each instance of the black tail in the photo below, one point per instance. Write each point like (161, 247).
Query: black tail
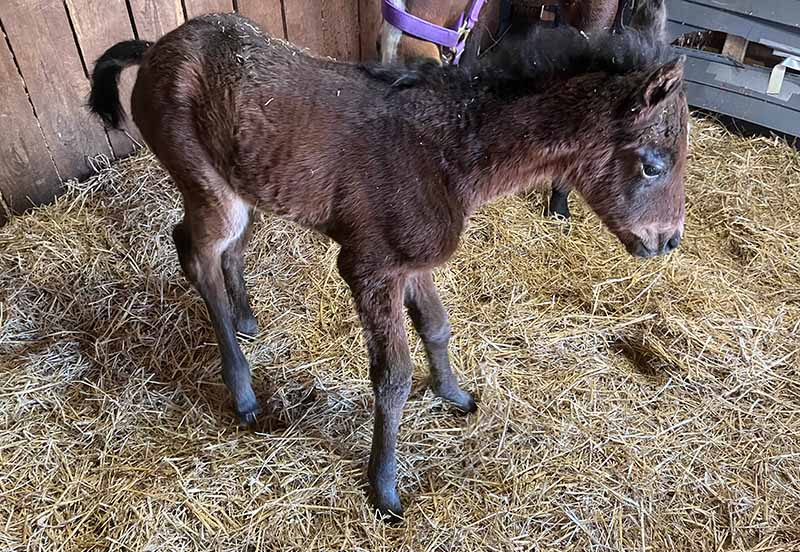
(104, 97)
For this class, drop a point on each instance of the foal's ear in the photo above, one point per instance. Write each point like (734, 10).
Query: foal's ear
(658, 87)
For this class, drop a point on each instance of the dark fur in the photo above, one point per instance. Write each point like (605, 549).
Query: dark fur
(390, 163)
(104, 96)
(589, 16)
(545, 56)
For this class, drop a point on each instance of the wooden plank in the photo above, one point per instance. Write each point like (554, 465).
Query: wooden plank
(735, 47)
(27, 174)
(155, 18)
(369, 24)
(199, 7)
(326, 27)
(99, 24)
(266, 13)
(42, 43)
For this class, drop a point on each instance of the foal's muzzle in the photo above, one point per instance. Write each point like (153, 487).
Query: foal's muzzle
(666, 243)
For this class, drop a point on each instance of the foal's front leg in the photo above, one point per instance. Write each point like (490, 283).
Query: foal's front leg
(379, 302)
(430, 321)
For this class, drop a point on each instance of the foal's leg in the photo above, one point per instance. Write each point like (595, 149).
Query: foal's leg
(233, 270)
(379, 302)
(430, 320)
(208, 229)
(559, 204)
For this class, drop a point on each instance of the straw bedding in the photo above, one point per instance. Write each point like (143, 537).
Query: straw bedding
(624, 404)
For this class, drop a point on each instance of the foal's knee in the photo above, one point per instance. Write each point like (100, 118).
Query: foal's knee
(391, 381)
(437, 334)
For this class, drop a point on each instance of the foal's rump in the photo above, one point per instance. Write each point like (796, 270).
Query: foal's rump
(238, 117)
(190, 81)
(266, 116)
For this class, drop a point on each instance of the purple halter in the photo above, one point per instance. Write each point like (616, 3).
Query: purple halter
(455, 40)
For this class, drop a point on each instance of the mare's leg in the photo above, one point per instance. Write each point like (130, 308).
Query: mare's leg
(210, 226)
(233, 270)
(378, 297)
(430, 320)
(559, 203)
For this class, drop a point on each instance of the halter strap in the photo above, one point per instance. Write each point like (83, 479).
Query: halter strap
(425, 30)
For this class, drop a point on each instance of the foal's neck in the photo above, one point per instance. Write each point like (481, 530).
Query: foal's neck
(527, 141)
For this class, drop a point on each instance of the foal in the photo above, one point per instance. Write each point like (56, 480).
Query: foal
(586, 15)
(243, 121)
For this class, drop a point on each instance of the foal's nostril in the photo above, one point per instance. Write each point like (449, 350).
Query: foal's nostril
(673, 242)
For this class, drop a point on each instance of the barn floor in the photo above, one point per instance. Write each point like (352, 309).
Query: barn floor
(624, 405)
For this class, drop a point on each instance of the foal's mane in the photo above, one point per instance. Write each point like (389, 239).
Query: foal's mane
(544, 56)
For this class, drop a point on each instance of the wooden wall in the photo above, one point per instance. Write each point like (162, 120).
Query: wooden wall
(47, 52)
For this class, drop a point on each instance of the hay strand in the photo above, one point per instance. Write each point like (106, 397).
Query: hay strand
(624, 405)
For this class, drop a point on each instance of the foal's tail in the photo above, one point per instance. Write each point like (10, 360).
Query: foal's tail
(104, 97)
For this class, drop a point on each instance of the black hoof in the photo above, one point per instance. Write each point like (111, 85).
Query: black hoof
(462, 400)
(247, 326)
(249, 417)
(389, 508)
(558, 206)
(469, 406)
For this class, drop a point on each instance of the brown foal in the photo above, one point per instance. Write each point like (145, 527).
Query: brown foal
(390, 162)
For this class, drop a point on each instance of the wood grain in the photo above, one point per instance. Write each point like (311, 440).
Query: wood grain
(48, 58)
(99, 24)
(266, 13)
(199, 7)
(27, 174)
(735, 47)
(155, 18)
(369, 25)
(326, 27)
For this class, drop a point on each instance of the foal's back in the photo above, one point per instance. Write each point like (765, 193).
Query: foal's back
(218, 91)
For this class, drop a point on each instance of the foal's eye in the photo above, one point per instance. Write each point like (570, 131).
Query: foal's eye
(651, 171)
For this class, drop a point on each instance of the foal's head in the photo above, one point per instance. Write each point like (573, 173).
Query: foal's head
(637, 185)
(623, 95)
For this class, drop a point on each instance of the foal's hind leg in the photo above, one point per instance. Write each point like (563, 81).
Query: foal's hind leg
(559, 204)
(430, 321)
(210, 226)
(233, 270)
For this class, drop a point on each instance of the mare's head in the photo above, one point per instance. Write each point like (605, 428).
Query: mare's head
(395, 46)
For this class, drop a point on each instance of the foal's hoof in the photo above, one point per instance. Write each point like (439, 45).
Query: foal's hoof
(458, 397)
(247, 326)
(388, 506)
(557, 207)
(249, 417)
(468, 404)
